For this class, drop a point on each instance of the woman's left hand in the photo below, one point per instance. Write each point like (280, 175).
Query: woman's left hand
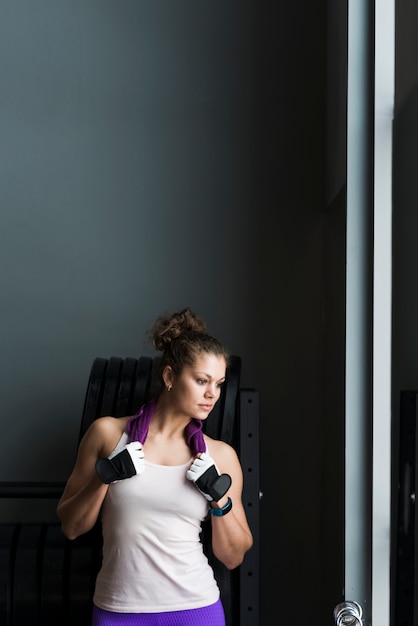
(204, 473)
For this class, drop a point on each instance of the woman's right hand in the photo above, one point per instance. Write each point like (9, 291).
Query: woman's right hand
(121, 464)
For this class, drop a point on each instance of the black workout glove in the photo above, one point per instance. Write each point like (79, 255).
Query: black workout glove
(204, 473)
(122, 463)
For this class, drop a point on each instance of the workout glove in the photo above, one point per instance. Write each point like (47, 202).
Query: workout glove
(204, 473)
(122, 463)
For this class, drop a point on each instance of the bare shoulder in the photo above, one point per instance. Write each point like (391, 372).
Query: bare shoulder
(104, 433)
(109, 424)
(221, 452)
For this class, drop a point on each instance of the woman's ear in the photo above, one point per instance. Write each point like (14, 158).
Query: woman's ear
(168, 376)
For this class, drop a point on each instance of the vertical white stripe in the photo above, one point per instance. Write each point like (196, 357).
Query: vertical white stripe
(358, 309)
(382, 298)
(369, 254)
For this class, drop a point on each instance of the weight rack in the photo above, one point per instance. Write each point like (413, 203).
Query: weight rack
(46, 579)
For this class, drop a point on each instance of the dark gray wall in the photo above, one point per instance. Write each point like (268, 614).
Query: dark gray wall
(155, 155)
(405, 233)
(405, 229)
(406, 55)
(405, 221)
(405, 251)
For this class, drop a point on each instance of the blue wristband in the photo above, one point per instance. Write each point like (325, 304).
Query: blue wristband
(222, 511)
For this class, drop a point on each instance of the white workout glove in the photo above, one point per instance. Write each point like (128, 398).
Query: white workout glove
(204, 473)
(122, 463)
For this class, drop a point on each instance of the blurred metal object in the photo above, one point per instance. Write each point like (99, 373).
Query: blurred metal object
(348, 614)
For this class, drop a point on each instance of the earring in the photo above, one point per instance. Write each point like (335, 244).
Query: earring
(169, 387)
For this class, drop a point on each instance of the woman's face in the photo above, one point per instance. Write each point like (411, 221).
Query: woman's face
(197, 388)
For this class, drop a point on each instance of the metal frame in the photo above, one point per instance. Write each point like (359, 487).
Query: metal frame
(249, 455)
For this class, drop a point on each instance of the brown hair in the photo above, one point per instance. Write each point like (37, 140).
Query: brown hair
(181, 337)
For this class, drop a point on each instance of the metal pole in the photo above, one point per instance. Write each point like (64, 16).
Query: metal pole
(359, 281)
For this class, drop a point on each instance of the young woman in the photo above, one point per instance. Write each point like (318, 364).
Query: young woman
(153, 478)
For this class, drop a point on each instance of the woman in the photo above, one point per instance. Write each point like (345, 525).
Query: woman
(153, 478)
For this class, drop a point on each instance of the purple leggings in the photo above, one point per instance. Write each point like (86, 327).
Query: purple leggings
(212, 615)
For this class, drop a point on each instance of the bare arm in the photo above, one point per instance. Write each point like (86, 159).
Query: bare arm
(231, 535)
(81, 501)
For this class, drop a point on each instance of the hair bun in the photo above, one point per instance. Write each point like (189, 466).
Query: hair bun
(168, 327)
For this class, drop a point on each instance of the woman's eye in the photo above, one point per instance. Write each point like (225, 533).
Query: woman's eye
(201, 381)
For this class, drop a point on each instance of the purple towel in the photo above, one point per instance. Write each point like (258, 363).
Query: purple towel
(138, 426)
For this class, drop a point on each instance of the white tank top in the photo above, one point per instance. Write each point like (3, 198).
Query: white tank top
(153, 559)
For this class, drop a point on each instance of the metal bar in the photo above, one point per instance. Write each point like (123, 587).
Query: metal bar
(359, 291)
(384, 60)
(31, 489)
(249, 456)
(10, 584)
